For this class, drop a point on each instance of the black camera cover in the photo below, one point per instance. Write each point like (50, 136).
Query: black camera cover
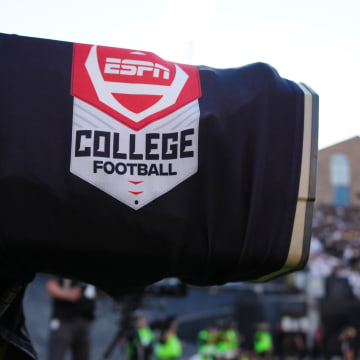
(119, 168)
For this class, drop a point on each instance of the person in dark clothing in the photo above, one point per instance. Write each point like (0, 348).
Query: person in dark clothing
(72, 314)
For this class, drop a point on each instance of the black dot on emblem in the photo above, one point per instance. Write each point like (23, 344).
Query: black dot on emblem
(136, 202)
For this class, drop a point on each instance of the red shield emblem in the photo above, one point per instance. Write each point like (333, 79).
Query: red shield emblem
(134, 87)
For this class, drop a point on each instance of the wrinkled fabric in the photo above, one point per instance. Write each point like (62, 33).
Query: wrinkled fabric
(230, 221)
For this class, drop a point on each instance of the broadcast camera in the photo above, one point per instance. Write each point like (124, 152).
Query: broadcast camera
(119, 167)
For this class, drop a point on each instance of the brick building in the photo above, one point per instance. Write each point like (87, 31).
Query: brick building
(338, 181)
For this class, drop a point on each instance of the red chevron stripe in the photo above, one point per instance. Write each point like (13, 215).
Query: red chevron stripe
(136, 192)
(135, 182)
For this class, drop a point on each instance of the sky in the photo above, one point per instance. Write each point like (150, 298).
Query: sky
(312, 41)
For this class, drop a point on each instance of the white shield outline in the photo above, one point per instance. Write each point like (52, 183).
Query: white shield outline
(105, 89)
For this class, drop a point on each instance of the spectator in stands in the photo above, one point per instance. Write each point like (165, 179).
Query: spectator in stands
(347, 343)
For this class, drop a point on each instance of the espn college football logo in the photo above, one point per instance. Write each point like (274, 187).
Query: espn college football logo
(134, 87)
(135, 122)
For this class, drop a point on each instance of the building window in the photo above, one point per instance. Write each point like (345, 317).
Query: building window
(340, 179)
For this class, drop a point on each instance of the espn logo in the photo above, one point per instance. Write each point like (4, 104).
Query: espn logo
(135, 68)
(135, 88)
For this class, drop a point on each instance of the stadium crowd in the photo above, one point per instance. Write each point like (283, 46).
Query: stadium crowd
(335, 245)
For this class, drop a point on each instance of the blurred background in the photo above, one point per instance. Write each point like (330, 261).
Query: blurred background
(310, 314)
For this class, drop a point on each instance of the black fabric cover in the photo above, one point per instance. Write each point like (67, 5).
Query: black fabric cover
(230, 221)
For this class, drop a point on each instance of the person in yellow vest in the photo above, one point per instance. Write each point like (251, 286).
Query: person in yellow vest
(140, 346)
(234, 338)
(206, 344)
(227, 344)
(169, 346)
(263, 343)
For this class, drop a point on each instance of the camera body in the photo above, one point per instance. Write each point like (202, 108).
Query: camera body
(119, 167)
